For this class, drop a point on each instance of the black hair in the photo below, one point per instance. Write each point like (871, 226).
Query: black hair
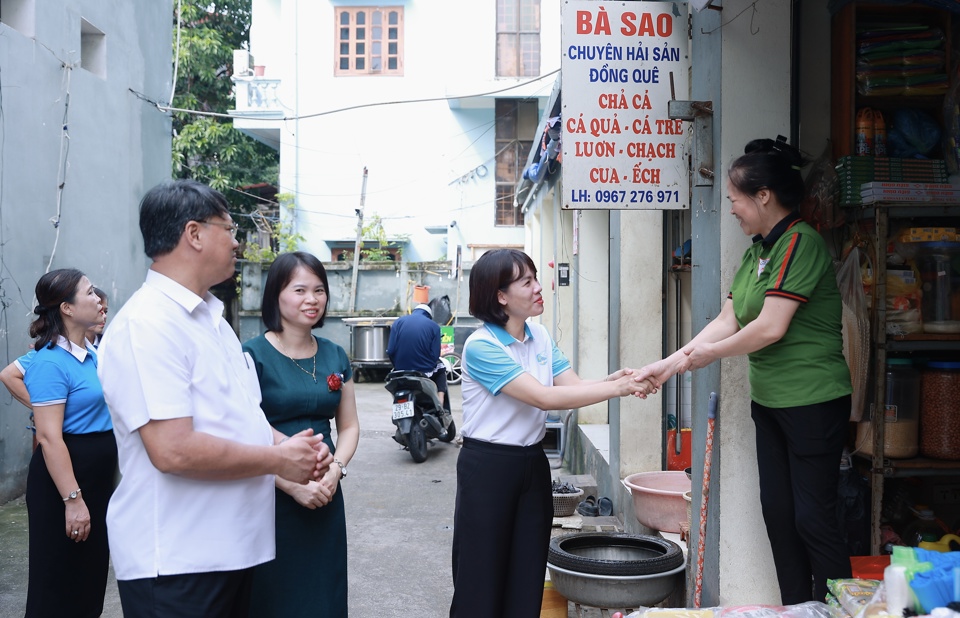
(167, 208)
(100, 293)
(279, 275)
(494, 272)
(53, 289)
(770, 164)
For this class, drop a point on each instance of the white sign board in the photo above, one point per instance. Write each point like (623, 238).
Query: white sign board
(620, 148)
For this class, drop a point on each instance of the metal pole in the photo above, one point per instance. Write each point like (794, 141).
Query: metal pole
(356, 247)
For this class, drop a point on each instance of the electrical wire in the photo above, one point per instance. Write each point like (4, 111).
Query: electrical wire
(195, 112)
(64, 164)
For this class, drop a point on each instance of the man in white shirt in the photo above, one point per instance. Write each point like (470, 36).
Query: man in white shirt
(193, 512)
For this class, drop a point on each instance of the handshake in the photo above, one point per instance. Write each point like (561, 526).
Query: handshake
(648, 379)
(634, 382)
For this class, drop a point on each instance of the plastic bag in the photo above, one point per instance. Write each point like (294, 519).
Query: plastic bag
(853, 594)
(904, 293)
(751, 611)
(856, 329)
(820, 206)
(913, 133)
(811, 609)
(441, 310)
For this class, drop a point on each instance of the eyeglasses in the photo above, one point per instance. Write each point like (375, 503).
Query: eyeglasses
(233, 228)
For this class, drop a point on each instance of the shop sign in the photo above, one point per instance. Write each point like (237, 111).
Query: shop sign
(622, 63)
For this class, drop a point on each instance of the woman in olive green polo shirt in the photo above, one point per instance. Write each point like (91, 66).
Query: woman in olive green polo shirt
(784, 312)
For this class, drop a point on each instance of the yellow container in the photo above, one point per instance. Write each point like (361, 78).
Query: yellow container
(554, 605)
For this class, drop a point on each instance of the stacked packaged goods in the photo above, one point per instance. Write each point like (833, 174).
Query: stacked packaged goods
(900, 60)
(854, 172)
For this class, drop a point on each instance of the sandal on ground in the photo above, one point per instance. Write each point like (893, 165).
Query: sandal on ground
(588, 507)
(604, 506)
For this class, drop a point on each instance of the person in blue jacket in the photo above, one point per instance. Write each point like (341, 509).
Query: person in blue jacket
(414, 345)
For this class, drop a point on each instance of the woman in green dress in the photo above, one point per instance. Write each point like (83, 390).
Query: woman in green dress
(305, 381)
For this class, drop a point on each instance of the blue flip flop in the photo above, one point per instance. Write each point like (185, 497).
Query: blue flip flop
(588, 508)
(604, 506)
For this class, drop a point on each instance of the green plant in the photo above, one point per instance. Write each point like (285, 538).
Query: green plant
(374, 231)
(209, 148)
(282, 237)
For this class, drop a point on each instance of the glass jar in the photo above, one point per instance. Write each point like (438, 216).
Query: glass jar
(939, 277)
(939, 420)
(901, 413)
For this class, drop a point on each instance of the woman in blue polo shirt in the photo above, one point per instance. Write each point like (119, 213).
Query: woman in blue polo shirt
(512, 373)
(71, 474)
(784, 312)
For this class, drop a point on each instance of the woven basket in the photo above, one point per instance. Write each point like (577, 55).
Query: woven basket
(564, 505)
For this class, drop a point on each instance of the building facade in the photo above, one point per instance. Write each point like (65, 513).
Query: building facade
(413, 114)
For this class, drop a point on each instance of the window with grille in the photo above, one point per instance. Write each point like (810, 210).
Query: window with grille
(518, 38)
(369, 41)
(516, 119)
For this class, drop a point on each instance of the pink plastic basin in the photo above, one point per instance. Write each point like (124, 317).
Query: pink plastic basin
(658, 500)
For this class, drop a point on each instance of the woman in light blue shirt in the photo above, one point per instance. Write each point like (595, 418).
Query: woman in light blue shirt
(512, 373)
(72, 470)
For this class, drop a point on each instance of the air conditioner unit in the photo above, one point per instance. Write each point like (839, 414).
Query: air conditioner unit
(242, 63)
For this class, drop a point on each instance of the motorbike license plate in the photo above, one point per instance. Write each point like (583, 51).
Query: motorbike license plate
(402, 410)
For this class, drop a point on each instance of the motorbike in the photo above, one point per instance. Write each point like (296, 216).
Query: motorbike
(417, 413)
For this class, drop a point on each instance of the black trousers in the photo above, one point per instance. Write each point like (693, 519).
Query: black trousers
(68, 578)
(501, 533)
(798, 452)
(219, 594)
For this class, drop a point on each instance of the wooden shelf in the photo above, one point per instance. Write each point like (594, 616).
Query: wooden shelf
(889, 102)
(916, 342)
(844, 98)
(919, 466)
(905, 210)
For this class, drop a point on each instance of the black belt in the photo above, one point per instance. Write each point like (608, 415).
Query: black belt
(502, 449)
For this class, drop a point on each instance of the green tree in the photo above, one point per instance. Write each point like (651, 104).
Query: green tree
(208, 148)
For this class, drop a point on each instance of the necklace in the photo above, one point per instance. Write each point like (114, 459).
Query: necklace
(312, 374)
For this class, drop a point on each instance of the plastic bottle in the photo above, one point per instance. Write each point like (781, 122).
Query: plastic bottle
(923, 528)
(898, 590)
(879, 135)
(863, 144)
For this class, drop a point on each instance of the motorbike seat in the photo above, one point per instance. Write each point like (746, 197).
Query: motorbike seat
(425, 390)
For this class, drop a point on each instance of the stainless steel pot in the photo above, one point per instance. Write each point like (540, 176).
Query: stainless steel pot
(370, 342)
(610, 591)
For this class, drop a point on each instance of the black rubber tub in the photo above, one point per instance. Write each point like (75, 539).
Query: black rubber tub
(614, 570)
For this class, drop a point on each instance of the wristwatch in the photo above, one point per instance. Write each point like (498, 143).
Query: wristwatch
(343, 468)
(73, 495)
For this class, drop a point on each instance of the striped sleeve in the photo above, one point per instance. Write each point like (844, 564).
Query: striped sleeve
(797, 268)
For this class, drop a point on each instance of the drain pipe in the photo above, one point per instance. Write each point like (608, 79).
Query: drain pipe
(613, 344)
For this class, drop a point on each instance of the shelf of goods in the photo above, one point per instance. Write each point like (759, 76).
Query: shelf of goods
(886, 59)
(891, 62)
(944, 411)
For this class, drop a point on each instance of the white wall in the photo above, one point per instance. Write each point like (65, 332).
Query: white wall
(755, 103)
(641, 340)
(594, 281)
